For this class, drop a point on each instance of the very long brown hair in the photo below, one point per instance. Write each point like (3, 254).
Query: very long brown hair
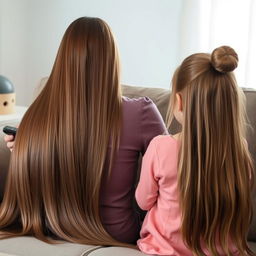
(215, 168)
(60, 149)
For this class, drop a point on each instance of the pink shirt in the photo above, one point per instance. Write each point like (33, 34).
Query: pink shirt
(157, 192)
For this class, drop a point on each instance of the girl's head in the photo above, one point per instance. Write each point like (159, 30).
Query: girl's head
(214, 164)
(62, 143)
(203, 78)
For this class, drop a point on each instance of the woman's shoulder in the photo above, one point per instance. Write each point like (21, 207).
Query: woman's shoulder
(142, 116)
(138, 100)
(141, 105)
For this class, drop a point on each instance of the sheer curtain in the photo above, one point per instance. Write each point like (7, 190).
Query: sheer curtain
(207, 24)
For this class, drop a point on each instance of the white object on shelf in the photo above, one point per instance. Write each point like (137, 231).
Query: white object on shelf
(19, 113)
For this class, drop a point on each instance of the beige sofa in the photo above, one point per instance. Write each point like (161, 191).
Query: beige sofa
(28, 246)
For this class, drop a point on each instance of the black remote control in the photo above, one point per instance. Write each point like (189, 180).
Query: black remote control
(10, 130)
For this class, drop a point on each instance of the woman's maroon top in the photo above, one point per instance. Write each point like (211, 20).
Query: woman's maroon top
(141, 123)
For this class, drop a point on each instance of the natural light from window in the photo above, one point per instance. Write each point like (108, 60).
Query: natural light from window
(233, 23)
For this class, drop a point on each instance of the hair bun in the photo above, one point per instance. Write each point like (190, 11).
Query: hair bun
(224, 59)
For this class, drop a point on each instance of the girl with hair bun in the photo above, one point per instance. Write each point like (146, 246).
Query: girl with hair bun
(196, 185)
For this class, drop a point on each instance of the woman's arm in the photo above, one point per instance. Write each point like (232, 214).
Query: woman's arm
(147, 189)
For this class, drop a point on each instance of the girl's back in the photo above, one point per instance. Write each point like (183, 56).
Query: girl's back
(158, 192)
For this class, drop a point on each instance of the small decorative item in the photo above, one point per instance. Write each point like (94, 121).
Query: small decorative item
(7, 96)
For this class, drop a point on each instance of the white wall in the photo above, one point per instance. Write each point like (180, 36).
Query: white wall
(1, 23)
(146, 32)
(13, 49)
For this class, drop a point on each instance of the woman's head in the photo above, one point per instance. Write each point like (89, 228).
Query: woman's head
(214, 164)
(88, 59)
(62, 143)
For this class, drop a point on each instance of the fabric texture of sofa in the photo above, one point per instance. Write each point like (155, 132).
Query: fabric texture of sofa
(29, 246)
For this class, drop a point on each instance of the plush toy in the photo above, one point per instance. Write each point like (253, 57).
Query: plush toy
(7, 96)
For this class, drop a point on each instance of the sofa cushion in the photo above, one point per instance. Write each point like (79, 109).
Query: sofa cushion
(119, 251)
(5, 254)
(30, 246)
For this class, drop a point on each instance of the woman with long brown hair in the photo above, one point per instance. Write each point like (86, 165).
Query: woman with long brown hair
(74, 163)
(197, 184)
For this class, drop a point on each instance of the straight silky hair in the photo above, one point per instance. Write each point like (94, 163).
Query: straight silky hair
(63, 140)
(215, 170)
